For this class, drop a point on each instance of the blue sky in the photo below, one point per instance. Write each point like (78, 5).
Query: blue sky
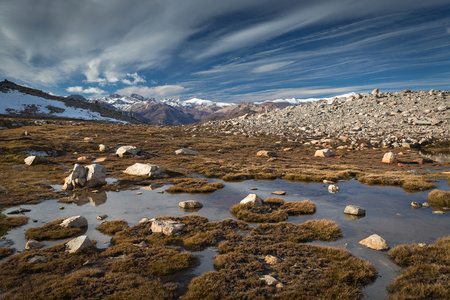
(229, 51)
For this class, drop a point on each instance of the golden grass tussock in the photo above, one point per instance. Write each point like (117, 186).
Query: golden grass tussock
(427, 271)
(194, 186)
(274, 210)
(7, 223)
(337, 274)
(53, 231)
(111, 227)
(6, 251)
(439, 200)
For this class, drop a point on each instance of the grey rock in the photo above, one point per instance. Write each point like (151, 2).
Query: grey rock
(186, 152)
(355, 210)
(140, 169)
(375, 242)
(254, 199)
(167, 227)
(333, 189)
(127, 151)
(190, 204)
(33, 244)
(75, 222)
(80, 244)
(37, 259)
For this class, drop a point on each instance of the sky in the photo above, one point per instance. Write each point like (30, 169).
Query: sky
(228, 51)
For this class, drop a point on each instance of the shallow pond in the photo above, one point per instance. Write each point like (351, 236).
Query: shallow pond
(388, 213)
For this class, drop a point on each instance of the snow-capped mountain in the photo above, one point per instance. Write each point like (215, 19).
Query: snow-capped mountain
(16, 100)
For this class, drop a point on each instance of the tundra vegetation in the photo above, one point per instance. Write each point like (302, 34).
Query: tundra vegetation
(140, 262)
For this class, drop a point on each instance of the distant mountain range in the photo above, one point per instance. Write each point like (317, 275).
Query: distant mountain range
(24, 101)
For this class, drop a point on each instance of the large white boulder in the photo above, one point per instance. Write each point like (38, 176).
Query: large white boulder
(96, 175)
(76, 178)
(127, 151)
(389, 158)
(254, 199)
(375, 242)
(167, 227)
(354, 210)
(190, 204)
(80, 244)
(144, 170)
(75, 222)
(324, 153)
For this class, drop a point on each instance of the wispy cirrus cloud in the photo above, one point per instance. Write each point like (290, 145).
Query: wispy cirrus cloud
(163, 91)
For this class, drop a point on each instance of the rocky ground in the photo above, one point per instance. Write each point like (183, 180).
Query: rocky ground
(401, 119)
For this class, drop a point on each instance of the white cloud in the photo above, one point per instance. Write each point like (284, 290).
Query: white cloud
(90, 90)
(271, 67)
(163, 91)
(135, 79)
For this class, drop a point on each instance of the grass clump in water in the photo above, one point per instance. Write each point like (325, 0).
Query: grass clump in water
(439, 200)
(427, 271)
(53, 231)
(111, 227)
(194, 186)
(7, 223)
(274, 210)
(302, 271)
(5, 251)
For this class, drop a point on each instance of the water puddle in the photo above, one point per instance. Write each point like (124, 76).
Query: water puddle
(388, 213)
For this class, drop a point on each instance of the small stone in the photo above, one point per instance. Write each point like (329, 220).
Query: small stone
(389, 158)
(37, 259)
(32, 160)
(269, 280)
(279, 193)
(138, 193)
(101, 217)
(416, 205)
(33, 244)
(102, 148)
(324, 153)
(271, 260)
(253, 189)
(190, 204)
(167, 227)
(144, 221)
(186, 152)
(265, 153)
(333, 189)
(327, 182)
(127, 151)
(425, 204)
(61, 207)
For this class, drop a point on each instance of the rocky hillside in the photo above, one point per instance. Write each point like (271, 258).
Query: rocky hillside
(17, 100)
(400, 119)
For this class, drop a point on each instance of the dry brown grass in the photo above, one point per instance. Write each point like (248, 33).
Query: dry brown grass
(427, 271)
(194, 186)
(304, 271)
(439, 200)
(5, 251)
(274, 210)
(111, 227)
(66, 140)
(52, 231)
(7, 223)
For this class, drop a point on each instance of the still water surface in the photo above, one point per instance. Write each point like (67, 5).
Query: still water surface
(388, 213)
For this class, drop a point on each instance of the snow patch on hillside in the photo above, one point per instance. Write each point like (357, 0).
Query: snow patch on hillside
(15, 102)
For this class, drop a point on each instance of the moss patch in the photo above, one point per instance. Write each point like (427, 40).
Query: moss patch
(7, 223)
(274, 210)
(53, 231)
(427, 271)
(303, 271)
(197, 234)
(111, 227)
(439, 200)
(194, 186)
(5, 251)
